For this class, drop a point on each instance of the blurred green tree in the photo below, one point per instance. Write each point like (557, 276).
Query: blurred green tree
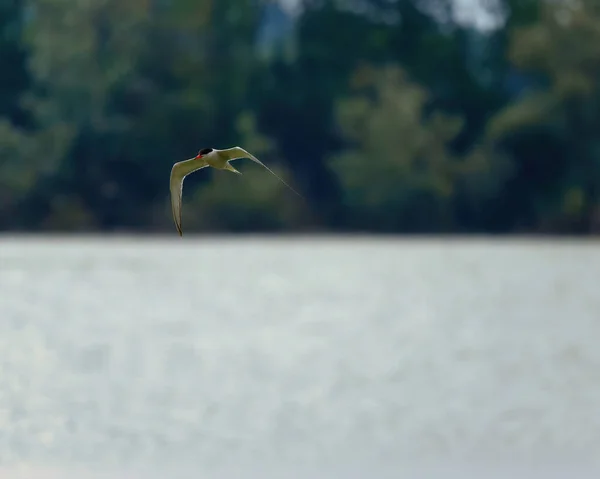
(551, 131)
(120, 91)
(400, 173)
(14, 79)
(79, 55)
(386, 115)
(333, 40)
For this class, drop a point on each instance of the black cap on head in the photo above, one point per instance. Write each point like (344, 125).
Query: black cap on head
(205, 151)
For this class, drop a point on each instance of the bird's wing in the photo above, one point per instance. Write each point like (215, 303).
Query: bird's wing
(178, 173)
(236, 153)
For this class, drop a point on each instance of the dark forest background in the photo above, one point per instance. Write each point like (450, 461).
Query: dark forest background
(388, 116)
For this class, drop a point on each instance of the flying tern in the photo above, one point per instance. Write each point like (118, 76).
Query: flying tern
(218, 159)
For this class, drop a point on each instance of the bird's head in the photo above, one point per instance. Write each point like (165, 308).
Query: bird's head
(203, 152)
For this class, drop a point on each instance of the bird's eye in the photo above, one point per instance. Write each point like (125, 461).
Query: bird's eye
(205, 151)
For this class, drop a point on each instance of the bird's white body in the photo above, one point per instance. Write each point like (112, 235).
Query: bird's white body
(218, 159)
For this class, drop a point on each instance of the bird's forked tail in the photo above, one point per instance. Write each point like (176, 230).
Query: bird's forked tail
(228, 167)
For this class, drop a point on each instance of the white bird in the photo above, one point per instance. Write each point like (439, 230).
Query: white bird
(218, 159)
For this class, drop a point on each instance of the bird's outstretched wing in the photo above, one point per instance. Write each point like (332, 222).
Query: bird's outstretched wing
(237, 153)
(178, 173)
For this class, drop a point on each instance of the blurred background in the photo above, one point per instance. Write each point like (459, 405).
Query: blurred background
(412, 116)
(366, 341)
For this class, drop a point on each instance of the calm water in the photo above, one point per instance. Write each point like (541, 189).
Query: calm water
(325, 355)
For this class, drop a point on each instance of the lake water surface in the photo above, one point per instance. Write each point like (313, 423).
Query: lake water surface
(350, 357)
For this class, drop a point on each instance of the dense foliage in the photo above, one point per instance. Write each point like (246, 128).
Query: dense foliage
(387, 116)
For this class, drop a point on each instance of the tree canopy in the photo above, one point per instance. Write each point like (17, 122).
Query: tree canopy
(387, 116)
